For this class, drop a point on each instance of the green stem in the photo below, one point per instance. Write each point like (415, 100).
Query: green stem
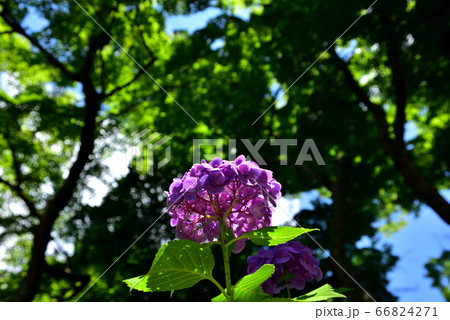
(226, 260)
(220, 287)
(234, 240)
(288, 291)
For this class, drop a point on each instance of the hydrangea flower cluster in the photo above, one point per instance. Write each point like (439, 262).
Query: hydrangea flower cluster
(239, 193)
(289, 258)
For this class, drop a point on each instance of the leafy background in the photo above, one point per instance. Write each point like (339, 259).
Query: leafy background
(225, 62)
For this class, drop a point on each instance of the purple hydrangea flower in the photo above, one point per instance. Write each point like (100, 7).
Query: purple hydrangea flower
(274, 192)
(190, 188)
(290, 259)
(214, 181)
(248, 173)
(175, 190)
(239, 192)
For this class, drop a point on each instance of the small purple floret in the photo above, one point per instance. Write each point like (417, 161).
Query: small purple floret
(291, 258)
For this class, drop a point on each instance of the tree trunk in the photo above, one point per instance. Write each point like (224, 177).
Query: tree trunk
(29, 285)
(421, 186)
(396, 149)
(338, 228)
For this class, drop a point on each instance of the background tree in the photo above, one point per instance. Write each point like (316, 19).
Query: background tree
(386, 71)
(439, 271)
(70, 50)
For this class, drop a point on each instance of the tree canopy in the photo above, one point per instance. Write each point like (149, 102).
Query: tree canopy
(350, 78)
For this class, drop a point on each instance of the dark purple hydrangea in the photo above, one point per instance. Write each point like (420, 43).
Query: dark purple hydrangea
(239, 191)
(291, 258)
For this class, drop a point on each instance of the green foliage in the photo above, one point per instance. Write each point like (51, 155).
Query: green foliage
(438, 269)
(225, 90)
(272, 236)
(179, 264)
(323, 293)
(248, 289)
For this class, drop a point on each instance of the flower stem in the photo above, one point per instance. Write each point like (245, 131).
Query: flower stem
(219, 286)
(226, 260)
(288, 291)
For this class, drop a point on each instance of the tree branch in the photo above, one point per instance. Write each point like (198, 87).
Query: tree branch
(141, 34)
(29, 204)
(96, 42)
(377, 110)
(397, 152)
(102, 74)
(400, 89)
(136, 76)
(147, 65)
(19, 179)
(16, 27)
(16, 164)
(393, 43)
(13, 225)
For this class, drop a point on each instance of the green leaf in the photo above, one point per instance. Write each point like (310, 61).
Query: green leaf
(137, 283)
(286, 277)
(323, 293)
(248, 288)
(277, 299)
(178, 265)
(272, 236)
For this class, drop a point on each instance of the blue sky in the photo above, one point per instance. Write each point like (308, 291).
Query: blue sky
(424, 237)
